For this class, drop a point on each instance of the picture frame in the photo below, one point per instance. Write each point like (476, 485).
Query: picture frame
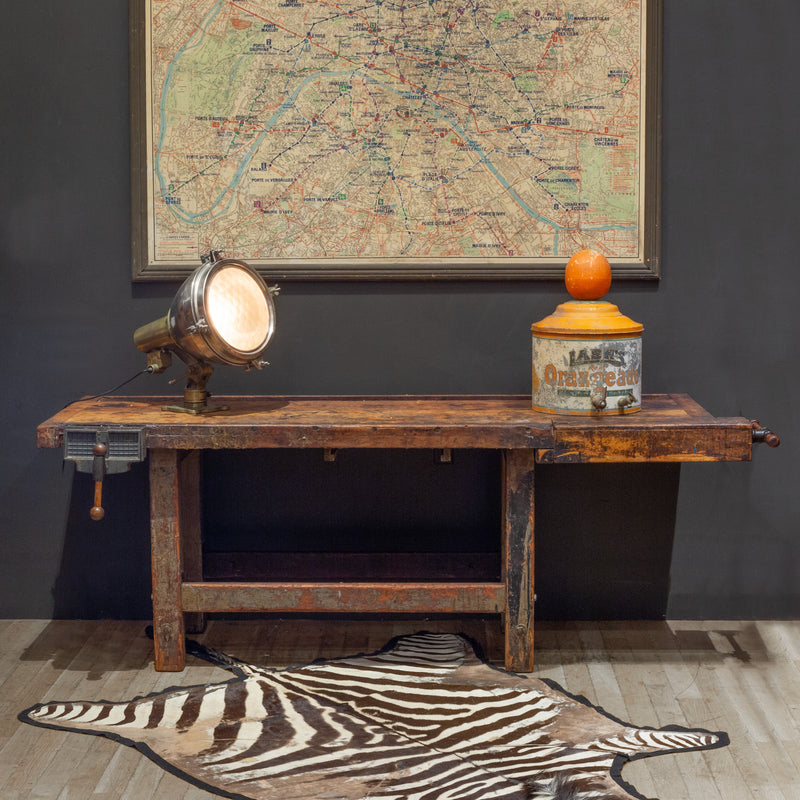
(349, 146)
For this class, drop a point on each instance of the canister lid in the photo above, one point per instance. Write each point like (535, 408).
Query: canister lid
(587, 277)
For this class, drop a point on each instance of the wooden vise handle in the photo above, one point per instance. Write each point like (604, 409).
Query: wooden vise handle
(762, 434)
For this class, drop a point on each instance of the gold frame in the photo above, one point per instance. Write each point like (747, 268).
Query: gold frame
(396, 268)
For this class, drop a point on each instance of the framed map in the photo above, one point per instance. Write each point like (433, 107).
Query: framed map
(399, 139)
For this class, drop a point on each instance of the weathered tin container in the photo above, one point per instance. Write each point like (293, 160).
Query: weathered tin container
(587, 355)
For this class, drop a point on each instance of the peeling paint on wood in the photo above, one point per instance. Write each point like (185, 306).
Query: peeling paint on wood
(406, 597)
(668, 428)
(518, 545)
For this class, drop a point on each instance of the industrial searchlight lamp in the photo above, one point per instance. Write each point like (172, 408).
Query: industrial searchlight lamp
(222, 314)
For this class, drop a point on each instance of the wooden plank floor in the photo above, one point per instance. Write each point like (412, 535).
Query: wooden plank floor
(739, 677)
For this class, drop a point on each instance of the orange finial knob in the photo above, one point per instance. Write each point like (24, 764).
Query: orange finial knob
(588, 275)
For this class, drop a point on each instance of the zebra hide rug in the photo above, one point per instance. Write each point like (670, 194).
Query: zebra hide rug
(423, 719)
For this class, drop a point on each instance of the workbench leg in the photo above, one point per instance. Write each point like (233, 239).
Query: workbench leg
(191, 531)
(165, 554)
(518, 540)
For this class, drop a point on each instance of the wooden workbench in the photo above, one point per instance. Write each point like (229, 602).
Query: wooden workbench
(669, 428)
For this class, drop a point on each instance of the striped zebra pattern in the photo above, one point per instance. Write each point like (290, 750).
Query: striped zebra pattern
(424, 719)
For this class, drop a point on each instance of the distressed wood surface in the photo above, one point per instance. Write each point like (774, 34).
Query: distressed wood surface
(402, 421)
(190, 511)
(165, 556)
(668, 428)
(407, 597)
(518, 549)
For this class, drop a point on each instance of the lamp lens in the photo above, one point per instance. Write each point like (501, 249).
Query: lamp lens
(237, 309)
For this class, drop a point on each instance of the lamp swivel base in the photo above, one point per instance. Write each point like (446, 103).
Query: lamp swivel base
(201, 410)
(195, 401)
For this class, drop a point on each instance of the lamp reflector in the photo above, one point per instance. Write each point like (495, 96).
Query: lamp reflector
(237, 309)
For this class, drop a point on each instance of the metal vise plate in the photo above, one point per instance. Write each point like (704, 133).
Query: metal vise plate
(125, 447)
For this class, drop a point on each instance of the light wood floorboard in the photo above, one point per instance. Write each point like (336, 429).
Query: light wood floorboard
(739, 677)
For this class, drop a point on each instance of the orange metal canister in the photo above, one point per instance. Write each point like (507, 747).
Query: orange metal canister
(587, 355)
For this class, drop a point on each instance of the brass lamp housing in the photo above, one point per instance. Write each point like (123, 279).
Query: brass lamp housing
(189, 331)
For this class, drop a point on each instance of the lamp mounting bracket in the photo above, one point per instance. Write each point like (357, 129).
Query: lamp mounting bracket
(211, 256)
(195, 396)
(200, 326)
(159, 360)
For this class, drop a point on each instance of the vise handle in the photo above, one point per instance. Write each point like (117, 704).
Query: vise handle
(98, 473)
(762, 434)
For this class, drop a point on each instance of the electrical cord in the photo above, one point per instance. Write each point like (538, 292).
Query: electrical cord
(145, 371)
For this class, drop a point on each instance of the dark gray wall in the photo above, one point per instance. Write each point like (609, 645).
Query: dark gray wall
(721, 325)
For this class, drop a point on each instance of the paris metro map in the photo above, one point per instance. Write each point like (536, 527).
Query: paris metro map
(403, 132)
